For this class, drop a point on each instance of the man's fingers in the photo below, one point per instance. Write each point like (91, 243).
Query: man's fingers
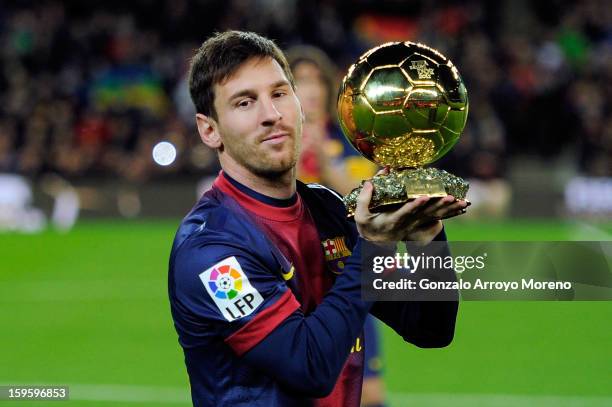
(362, 209)
(437, 204)
(410, 207)
(383, 171)
(445, 207)
(453, 214)
(457, 206)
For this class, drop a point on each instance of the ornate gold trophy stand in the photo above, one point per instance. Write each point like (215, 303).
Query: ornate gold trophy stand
(404, 105)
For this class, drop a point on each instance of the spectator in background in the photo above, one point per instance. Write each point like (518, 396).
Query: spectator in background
(328, 158)
(8, 156)
(480, 157)
(71, 74)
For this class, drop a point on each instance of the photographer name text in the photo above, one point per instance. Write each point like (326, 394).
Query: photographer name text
(478, 284)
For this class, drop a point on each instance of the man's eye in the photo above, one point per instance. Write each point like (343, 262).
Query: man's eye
(279, 93)
(244, 103)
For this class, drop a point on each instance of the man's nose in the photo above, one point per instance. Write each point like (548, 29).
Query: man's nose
(270, 114)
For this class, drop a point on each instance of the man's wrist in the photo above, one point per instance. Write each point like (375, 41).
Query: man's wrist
(383, 244)
(425, 237)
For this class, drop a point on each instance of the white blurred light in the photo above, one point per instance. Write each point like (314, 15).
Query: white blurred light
(589, 195)
(164, 153)
(550, 56)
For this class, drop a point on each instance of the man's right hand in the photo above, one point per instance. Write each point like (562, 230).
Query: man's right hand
(418, 220)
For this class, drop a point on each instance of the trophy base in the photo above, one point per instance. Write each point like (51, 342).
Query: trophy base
(400, 186)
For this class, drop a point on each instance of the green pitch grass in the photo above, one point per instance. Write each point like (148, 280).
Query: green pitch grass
(89, 309)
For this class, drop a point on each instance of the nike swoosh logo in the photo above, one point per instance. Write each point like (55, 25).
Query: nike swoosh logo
(289, 275)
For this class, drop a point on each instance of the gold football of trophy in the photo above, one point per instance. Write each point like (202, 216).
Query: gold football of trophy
(404, 105)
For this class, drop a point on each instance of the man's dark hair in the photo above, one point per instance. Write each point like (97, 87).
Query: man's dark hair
(220, 56)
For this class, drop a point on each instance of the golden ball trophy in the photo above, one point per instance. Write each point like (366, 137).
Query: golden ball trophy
(404, 105)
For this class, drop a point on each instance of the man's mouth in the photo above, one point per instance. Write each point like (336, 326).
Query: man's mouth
(275, 138)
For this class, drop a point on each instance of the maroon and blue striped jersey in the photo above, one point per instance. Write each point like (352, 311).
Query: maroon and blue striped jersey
(265, 297)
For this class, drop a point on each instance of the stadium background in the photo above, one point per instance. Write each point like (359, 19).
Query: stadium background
(88, 88)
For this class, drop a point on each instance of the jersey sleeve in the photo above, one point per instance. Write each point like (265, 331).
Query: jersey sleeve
(223, 290)
(270, 332)
(426, 324)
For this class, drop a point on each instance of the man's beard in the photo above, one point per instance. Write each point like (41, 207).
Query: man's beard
(272, 170)
(265, 167)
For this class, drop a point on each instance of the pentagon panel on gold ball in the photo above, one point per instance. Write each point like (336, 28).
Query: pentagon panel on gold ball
(404, 105)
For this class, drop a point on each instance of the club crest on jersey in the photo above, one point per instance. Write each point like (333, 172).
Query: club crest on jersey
(336, 252)
(229, 287)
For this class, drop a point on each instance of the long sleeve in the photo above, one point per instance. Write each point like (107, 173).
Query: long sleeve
(426, 324)
(307, 353)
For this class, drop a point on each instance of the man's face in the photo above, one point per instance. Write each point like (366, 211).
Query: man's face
(259, 118)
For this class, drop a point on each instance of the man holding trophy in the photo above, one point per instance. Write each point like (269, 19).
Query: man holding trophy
(264, 277)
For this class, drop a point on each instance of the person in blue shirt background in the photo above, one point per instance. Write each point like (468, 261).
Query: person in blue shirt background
(327, 158)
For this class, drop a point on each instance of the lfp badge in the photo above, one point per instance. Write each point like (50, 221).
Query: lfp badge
(230, 289)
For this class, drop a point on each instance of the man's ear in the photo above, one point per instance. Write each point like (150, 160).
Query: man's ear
(209, 134)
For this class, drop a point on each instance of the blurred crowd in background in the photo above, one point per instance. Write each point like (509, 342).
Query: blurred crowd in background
(88, 88)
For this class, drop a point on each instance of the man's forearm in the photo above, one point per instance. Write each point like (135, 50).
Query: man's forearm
(425, 324)
(307, 353)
